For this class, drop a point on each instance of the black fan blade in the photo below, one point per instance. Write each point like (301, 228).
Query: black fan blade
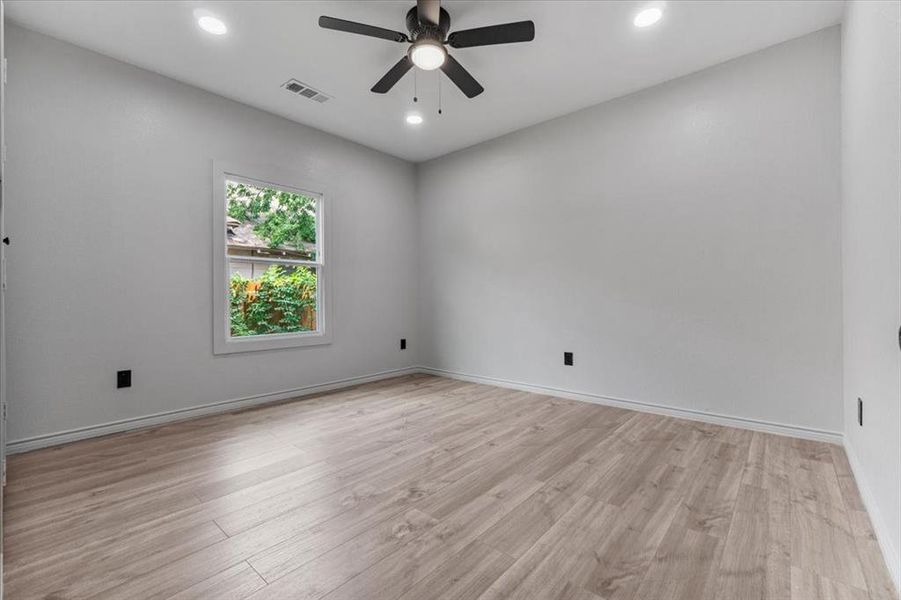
(508, 33)
(361, 29)
(461, 77)
(393, 76)
(428, 12)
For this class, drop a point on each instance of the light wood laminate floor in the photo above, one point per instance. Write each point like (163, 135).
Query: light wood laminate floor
(421, 488)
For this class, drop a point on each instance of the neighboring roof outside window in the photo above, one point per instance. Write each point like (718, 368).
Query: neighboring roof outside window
(243, 241)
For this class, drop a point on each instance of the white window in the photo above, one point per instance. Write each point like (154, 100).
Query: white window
(270, 283)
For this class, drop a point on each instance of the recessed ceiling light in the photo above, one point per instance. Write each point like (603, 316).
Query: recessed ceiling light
(212, 25)
(647, 17)
(414, 119)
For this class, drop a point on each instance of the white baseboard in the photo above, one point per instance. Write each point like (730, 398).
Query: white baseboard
(807, 433)
(889, 552)
(72, 435)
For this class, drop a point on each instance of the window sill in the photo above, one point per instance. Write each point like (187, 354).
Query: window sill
(255, 343)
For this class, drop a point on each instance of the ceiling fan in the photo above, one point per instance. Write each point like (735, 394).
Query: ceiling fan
(428, 25)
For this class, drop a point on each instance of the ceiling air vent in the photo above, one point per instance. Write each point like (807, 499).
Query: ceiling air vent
(302, 89)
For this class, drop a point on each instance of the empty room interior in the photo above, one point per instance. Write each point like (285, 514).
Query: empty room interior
(458, 300)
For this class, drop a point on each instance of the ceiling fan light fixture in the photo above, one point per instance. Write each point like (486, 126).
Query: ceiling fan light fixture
(414, 119)
(428, 55)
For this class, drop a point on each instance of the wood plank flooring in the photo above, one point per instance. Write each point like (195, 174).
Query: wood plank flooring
(422, 488)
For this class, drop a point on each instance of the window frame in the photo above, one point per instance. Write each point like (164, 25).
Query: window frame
(223, 341)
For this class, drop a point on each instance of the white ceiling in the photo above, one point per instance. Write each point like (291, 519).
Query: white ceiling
(584, 52)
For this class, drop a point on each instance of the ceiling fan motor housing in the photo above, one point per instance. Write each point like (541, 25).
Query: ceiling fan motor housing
(425, 30)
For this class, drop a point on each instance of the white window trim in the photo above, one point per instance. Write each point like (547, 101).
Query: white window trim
(223, 342)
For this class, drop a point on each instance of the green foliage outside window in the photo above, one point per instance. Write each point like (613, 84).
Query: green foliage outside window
(279, 217)
(283, 298)
(278, 301)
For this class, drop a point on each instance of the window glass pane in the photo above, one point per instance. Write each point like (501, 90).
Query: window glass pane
(272, 298)
(270, 223)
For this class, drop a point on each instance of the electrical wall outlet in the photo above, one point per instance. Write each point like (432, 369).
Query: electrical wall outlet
(123, 379)
(403, 343)
(568, 359)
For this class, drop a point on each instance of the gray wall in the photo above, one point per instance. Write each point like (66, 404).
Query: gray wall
(871, 219)
(683, 241)
(110, 214)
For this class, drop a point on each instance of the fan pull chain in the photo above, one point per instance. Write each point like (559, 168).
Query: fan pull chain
(415, 93)
(439, 93)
